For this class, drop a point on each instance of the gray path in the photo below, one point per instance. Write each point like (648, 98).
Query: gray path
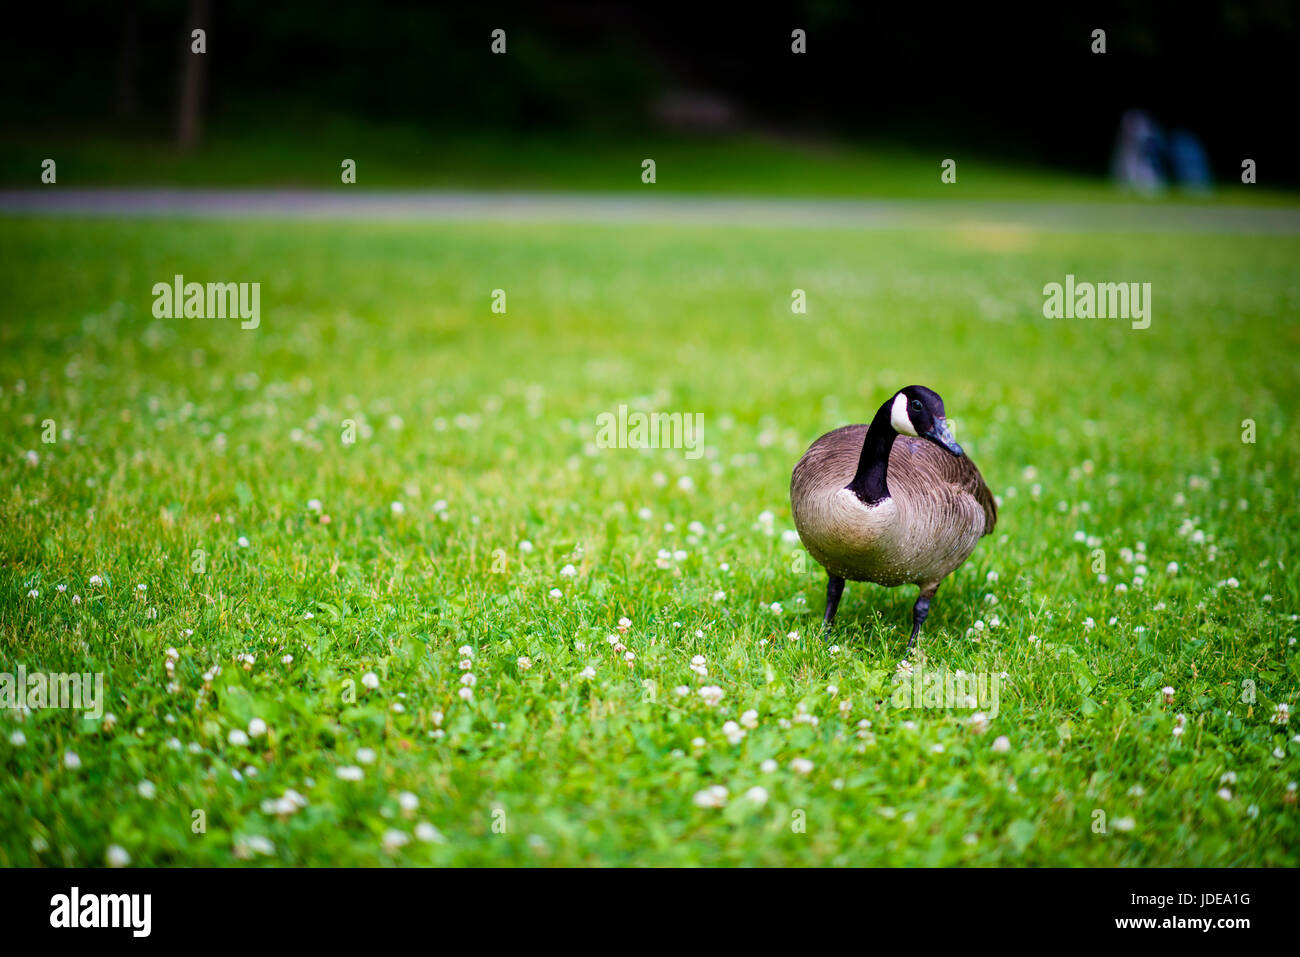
(501, 207)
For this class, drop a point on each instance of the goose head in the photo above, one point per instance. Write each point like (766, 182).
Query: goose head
(918, 411)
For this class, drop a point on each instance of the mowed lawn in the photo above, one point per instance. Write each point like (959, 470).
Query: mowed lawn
(199, 496)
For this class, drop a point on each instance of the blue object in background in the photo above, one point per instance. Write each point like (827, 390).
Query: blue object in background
(1191, 166)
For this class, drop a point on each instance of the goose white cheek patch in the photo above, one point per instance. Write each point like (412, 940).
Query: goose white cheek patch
(898, 416)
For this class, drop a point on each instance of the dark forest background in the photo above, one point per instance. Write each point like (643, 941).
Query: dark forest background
(1016, 83)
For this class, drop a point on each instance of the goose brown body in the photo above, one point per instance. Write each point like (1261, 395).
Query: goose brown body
(937, 510)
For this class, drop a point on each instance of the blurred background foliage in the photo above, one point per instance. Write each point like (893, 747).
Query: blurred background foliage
(1005, 84)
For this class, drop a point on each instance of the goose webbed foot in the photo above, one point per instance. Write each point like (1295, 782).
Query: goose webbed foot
(919, 611)
(834, 589)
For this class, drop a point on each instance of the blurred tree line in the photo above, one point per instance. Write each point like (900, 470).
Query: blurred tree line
(1020, 83)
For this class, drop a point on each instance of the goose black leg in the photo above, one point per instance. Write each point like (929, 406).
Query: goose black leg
(920, 610)
(834, 589)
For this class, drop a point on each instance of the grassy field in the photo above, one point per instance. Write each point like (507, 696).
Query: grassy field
(392, 157)
(198, 495)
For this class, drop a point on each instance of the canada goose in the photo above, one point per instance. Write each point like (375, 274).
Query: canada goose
(891, 503)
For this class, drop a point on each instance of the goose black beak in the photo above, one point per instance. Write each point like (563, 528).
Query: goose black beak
(942, 437)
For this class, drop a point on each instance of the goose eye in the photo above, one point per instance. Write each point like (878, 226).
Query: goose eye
(916, 405)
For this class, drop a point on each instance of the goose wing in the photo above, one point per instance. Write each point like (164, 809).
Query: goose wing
(928, 468)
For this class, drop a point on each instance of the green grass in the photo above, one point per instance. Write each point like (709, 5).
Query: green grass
(310, 155)
(184, 435)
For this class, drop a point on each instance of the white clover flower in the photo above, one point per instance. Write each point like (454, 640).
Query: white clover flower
(71, 761)
(116, 856)
(370, 680)
(397, 508)
(1225, 794)
(427, 833)
(96, 580)
(408, 801)
(711, 694)
(468, 679)
(587, 673)
(287, 659)
(242, 542)
(712, 797)
(17, 739)
(256, 728)
(775, 608)
(146, 790)
(525, 546)
(466, 694)
(568, 571)
(801, 766)
(523, 662)
(556, 593)
(749, 719)
(757, 795)
(1001, 744)
(237, 738)
(1168, 692)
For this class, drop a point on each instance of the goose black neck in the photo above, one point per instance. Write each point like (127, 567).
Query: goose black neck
(869, 484)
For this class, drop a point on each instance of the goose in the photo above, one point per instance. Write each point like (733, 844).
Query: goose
(894, 502)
